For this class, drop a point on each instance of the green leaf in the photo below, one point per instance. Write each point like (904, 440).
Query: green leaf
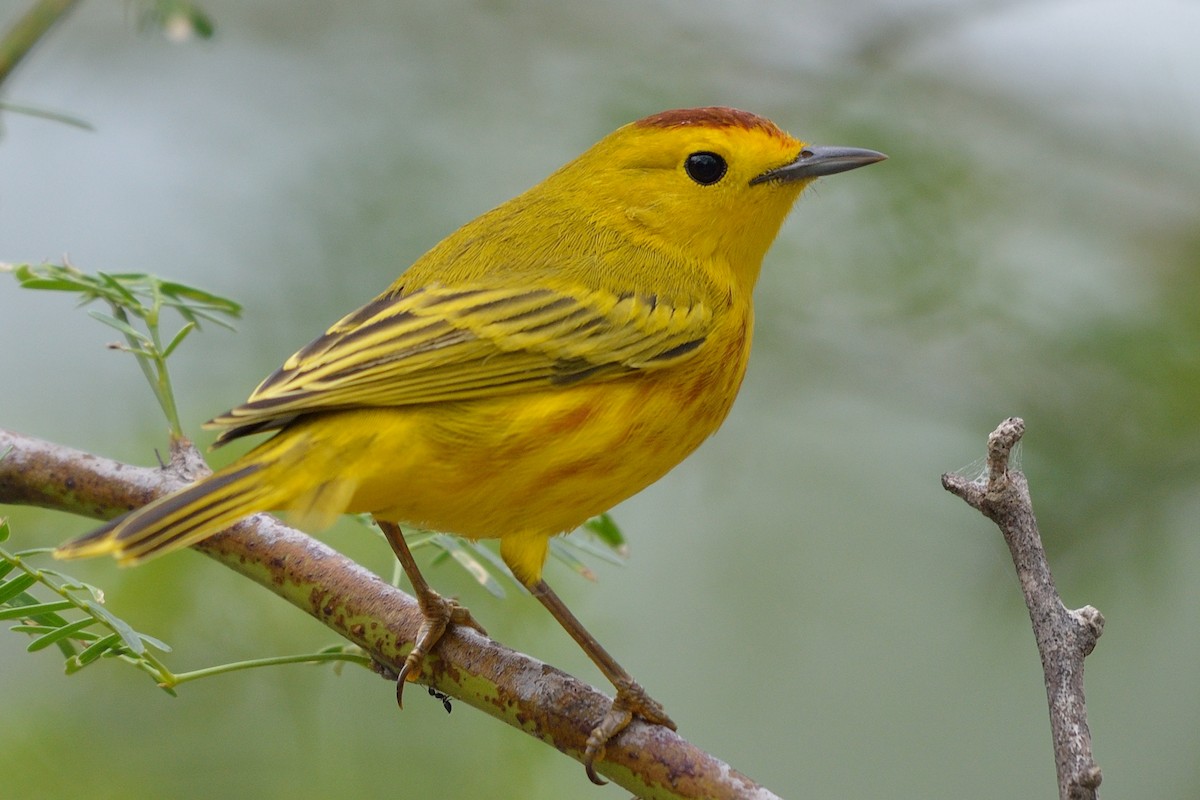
(158, 644)
(50, 285)
(215, 302)
(73, 585)
(585, 543)
(36, 610)
(489, 555)
(202, 24)
(467, 560)
(178, 338)
(60, 633)
(605, 529)
(66, 648)
(38, 629)
(567, 557)
(123, 327)
(16, 586)
(178, 20)
(52, 277)
(117, 293)
(123, 629)
(93, 651)
(195, 314)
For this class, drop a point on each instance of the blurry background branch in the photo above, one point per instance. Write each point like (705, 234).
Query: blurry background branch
(28, 30)
(1064, 637)
(534, 697)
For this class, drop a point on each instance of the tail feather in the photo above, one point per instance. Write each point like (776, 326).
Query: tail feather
(316, 509)
(92, 543)
(179, 519)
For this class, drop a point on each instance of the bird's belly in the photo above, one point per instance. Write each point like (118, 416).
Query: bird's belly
(538, 463)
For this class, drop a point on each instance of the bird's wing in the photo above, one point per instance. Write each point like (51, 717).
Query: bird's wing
(439, 344)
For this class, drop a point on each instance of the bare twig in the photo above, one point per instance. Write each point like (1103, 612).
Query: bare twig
(1064, 637)
(648, 760)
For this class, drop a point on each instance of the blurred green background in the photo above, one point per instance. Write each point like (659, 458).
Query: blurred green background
(802, 595)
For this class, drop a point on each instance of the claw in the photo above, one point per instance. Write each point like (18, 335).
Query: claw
(631, 700)
(439, 613)
(613, 723)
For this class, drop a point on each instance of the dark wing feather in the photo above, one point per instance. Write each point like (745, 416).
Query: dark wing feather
(439, 344)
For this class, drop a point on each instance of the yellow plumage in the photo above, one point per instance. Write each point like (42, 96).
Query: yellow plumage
(538, 366)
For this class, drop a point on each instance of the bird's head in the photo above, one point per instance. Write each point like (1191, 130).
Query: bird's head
(713, 183)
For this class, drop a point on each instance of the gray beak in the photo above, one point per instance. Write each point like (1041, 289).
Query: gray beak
(813, 162)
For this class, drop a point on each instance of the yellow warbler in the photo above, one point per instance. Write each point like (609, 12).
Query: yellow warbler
(538, 366)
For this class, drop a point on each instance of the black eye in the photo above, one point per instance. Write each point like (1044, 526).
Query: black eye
(705, 168)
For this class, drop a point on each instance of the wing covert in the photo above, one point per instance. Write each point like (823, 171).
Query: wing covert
(438, 344)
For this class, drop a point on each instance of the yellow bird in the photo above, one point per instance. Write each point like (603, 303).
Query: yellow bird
(538, 366)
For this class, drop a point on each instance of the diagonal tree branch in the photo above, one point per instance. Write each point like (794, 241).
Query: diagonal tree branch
(546, 703)
(1064, 637)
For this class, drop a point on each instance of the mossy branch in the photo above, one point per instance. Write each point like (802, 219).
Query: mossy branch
(648, 760)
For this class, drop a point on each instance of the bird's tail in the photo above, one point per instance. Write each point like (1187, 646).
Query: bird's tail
(179, 519)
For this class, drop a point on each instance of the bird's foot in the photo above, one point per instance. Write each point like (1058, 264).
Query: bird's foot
(631, 701)
(439, 613)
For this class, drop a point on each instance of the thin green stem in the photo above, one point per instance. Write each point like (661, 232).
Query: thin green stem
(221, 669)
(153, 365)
(162, 385)
(45, 113)
(136, 347)
(28, 30)
(149, 664)
(163, 388)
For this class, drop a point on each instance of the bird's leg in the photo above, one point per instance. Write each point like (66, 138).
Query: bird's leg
(439, 612)
(631, 698)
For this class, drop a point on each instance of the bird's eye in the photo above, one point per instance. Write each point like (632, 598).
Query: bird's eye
(705, 168)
